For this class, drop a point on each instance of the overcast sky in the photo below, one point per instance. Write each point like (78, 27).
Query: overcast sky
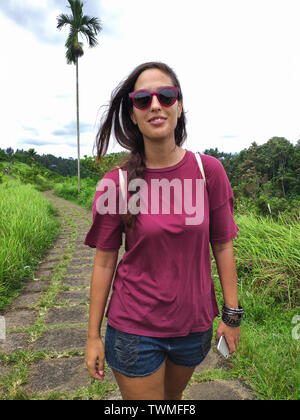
(238, 62)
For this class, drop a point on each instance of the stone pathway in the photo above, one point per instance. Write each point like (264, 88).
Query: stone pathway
(43, 354)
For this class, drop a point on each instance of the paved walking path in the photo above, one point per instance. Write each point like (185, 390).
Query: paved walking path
(43, 354)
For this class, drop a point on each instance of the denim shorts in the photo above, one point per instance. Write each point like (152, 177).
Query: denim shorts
(137, 355)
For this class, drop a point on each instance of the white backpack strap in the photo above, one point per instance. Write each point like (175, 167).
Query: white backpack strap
(198, 157)
(122, 183)
(122, 189)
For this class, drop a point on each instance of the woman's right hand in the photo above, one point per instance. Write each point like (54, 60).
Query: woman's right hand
(94, 357)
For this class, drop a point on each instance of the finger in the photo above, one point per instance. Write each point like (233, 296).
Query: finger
(100, 369)
(232, 349)
(94, 373)
(231, 344)
(219, 334)
(100, 373)
(98, 376)
(93, 370)
(236, 341)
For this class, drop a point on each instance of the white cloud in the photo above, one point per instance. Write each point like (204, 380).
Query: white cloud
(237, 61)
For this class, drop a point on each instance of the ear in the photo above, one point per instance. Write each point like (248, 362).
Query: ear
(180, 107)
(133, 117)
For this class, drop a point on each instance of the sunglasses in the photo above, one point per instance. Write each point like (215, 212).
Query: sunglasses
(166, 96)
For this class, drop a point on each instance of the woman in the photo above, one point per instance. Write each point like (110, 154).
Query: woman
(163, 303)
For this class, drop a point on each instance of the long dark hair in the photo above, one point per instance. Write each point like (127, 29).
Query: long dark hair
(117, 121)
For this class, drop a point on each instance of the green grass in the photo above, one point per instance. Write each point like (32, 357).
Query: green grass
(268, 259)
(268, 265)
(27, 229)
(69, 191)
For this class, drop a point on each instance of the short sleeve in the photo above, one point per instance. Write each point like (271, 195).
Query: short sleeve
(106, 230)
(222, 226)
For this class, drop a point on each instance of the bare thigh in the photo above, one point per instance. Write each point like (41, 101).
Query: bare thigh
(167, 383)
(149, 387)
(176, 380)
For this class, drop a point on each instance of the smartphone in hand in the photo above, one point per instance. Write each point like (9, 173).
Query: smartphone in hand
(223, 347)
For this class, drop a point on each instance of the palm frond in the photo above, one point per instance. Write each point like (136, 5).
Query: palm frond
(90, 36)
(92, 22)
(90, 26)
(63, 20)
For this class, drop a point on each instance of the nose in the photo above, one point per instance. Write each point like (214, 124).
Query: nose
(155, 104)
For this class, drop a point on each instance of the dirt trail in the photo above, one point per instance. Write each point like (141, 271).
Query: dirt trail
(48, 324)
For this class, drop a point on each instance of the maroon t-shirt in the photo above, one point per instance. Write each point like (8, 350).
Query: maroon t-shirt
(163, 285)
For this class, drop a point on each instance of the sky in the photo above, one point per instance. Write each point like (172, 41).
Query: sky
(238, 62)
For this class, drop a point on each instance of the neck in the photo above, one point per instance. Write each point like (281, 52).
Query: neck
(161, 155)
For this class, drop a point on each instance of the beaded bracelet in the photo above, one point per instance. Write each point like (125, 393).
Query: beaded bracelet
(232, 311)
(232, 322)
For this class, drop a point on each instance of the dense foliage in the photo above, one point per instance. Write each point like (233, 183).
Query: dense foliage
(264, 178)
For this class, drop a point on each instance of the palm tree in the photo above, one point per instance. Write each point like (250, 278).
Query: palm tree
(31, 153)
(83, 25)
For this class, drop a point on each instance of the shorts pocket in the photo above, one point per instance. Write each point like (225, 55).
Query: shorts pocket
(126, 348)
(206, 341)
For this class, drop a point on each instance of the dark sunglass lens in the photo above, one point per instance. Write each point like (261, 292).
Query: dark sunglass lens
(167, 96)
(142, 99)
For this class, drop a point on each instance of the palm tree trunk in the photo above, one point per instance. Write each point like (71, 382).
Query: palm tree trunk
(77, 109)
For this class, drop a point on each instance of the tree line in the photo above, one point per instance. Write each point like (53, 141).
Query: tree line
(59, 165)
(265, 178)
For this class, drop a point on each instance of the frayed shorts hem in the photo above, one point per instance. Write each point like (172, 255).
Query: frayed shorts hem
(194, 365)
(132, 375)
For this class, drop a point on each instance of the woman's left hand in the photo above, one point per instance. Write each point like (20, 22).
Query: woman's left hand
(231, 334)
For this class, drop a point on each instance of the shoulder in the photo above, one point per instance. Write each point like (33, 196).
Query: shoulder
(111, 176)
(211, 162)
(108, 183)
(212, 166)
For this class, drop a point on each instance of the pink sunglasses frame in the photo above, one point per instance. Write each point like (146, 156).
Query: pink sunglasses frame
(174, 88)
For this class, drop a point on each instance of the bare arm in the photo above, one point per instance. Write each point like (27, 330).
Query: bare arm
(103, 271)
(102, 276)
(224, 256)
(223, 253)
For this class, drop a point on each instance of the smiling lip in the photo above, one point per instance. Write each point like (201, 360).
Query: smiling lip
(157, 120)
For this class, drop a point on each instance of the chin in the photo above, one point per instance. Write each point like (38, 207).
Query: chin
(159, 134)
